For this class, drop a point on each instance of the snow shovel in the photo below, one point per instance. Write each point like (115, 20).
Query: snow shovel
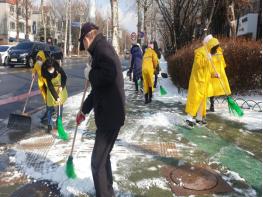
(162, 89)
(232, 105)
(21, 121)
(70, 171)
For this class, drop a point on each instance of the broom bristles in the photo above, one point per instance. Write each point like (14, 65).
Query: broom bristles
(162, 91)
(70, 171)
(61, 132)
(234, 108)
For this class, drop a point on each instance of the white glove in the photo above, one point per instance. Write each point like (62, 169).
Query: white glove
(86, 71)
(209, 56)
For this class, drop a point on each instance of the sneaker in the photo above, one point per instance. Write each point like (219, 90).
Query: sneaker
(190, 123)
(49, 129)
(201, 122)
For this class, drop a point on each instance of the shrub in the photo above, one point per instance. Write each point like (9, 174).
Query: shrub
(243, 59)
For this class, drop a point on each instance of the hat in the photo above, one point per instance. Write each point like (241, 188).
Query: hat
(85, 29)
(207, 38)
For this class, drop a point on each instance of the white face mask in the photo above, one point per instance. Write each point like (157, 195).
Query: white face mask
(51, 71)
(39, 63)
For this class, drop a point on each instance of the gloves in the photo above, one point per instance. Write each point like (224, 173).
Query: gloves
(209, 56)
(80, 117)
(86, 71)
(215, 75)
(58, 100)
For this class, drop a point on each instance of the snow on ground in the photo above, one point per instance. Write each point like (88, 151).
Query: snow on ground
(251, 119)
(53, 166)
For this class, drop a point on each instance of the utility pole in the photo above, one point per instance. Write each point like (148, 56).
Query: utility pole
(70, 22)
(66, 31)
(43, 20)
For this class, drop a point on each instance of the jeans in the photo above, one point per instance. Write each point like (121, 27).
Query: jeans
(50, 112)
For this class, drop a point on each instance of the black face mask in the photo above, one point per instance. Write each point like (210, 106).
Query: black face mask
(213, 50)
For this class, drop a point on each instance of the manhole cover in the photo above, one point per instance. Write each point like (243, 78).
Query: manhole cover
(194, 178)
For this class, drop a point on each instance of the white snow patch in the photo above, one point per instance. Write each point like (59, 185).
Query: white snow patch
(154, 182)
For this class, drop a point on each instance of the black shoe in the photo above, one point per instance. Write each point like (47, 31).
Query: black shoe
(201, 122)
(146, 98)
(190, 123)
(212, 109)
(49, 129)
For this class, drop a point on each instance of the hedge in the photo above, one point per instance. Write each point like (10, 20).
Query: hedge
(242, 56)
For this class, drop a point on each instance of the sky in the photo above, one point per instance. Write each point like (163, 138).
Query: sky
(127, 13)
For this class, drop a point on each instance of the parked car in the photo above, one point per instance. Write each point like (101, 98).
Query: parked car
(56, 53)
(4, 53)
(24, 53)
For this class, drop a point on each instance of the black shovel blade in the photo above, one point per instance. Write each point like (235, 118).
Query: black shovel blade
(19, 122)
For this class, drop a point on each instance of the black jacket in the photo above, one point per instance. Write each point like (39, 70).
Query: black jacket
(107, 86)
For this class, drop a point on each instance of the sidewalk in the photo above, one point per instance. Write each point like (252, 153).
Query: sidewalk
(151, 153)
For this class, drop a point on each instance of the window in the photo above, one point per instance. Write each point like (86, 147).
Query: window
(12, 10)
(21, 27)
(19, 11)
(12, 26)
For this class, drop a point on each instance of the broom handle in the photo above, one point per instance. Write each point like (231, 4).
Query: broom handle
(28, 94)
(210, 59)
(76, 128)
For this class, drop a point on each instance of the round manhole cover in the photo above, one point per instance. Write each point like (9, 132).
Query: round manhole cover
(194, 178)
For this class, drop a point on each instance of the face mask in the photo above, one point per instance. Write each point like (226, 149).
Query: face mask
(51, 71)
(39, 63)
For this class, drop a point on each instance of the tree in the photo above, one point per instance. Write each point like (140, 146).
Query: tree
(17, 20)
(115, 26)
(43, 18)
(66, 31)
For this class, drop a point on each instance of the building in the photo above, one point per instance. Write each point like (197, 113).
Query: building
(8, 24)
(54, 26)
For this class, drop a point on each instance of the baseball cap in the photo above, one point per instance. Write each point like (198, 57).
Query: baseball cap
(85, 29)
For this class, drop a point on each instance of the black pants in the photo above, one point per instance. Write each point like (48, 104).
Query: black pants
(155, 80)
(100, 161)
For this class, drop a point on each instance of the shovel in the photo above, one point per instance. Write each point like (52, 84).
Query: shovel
(21, 121)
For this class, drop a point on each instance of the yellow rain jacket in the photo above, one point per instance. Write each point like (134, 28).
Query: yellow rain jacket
(215, 88)
(41, 80)
(63, 95)
(199, 79)
(149, 64)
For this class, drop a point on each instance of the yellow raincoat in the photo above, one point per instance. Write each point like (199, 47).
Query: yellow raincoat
(149, 64)
(41, 80)
(214, 87)
(63, 95)
(199, 80)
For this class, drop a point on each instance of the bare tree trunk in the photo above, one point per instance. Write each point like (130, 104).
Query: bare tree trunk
(66, 31)
(43, 20)
(139, 24)
(231, 19)
(26, 7)
(144, 24)
(115, 29)
(17, 21)
(210, 17)
(70, 37)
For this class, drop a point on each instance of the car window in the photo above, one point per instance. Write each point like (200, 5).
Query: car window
(24, 45)
(3, 48)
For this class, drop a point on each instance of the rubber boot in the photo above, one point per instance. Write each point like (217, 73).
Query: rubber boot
(146, 98)
(150, 95)
(212, 109)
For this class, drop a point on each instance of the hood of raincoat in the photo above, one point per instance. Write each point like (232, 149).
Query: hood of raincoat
(42, 55)
(212, 43)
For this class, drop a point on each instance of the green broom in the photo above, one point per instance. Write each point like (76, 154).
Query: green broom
(162, 89)
(61, 132)
(232, 105)
(70, 171)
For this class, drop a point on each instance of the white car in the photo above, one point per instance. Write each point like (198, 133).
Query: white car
(4, 53)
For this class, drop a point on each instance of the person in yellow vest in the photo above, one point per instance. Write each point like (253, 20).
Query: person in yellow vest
(57, 93)
(149, 64)
(199, 82)
(40, 60)
(215, 88)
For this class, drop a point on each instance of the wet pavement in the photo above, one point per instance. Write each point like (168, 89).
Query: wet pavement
(153, 149)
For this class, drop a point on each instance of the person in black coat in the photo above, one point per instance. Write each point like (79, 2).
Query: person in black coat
(108, 101)
(136, 65)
